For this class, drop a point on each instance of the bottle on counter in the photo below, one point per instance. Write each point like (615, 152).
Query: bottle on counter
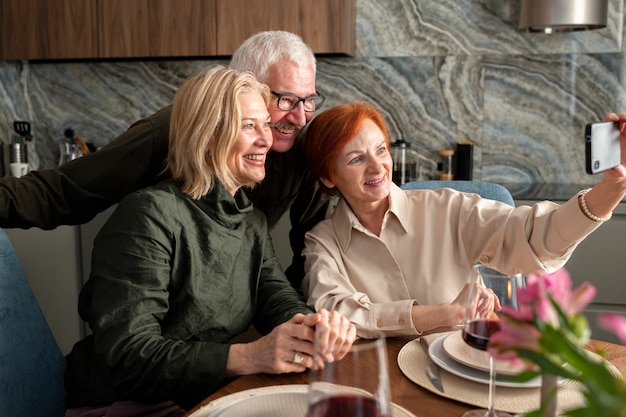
(446, 173)
(464, 160)
(69, 151)
(71, 147)
(18, 157)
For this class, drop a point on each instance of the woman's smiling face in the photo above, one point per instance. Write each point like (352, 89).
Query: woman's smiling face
(247, 160)
(363, 167)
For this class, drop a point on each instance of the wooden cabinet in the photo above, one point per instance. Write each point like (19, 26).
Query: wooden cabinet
(77, 29)
(156, 28)
(93, 29)
(46, 29)
(327, 26)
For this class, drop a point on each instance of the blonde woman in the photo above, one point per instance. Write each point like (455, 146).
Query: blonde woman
(182, 267)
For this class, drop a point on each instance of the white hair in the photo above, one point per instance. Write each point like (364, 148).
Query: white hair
(262, 50)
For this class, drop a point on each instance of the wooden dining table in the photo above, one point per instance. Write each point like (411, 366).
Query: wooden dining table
(404, 392)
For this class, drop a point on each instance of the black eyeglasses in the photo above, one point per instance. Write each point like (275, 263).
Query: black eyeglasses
(288, 102)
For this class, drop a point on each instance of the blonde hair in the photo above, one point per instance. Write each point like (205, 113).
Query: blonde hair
(205, 121)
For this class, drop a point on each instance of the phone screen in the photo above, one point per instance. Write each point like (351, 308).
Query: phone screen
(602, 149)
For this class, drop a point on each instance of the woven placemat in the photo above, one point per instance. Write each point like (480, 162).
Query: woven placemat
(275, 401)
(412, 362)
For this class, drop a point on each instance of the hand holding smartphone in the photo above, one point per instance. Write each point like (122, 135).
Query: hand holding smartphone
(602, 147)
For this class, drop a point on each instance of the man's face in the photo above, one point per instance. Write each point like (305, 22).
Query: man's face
(284, 78)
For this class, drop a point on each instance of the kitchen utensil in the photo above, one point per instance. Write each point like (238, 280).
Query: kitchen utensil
(17, 152)
(18, 169)
(432, 370)
(74, 147)
(68, 152)
(23, 129)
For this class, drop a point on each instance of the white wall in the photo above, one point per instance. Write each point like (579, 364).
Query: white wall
(600, 260)
(51, 263)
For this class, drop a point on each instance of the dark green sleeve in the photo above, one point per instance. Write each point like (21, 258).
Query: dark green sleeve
(75, 192)
(127, 303)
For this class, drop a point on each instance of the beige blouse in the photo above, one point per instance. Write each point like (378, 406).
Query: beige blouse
(429, 241)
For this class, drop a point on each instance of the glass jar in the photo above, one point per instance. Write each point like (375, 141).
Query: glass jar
(446, 172)
(405, 166)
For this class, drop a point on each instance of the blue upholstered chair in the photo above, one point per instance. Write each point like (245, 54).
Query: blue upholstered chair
(31, 364)
(488, 190)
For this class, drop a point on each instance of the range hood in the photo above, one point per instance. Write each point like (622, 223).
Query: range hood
(551, 16)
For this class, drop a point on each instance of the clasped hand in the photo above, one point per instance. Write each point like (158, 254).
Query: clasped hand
(290, 346)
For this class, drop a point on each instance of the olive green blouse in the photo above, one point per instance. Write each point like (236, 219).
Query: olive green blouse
(173, 280)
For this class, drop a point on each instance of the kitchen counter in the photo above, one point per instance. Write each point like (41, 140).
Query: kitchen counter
(544, 191)
(530, 193)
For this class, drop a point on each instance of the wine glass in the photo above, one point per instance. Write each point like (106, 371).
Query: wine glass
(355, 386)
(481, 319)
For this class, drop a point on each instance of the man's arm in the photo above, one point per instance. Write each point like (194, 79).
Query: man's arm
(308, 209)
(75, 192)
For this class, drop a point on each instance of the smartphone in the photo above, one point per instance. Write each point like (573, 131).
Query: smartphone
(602, 147)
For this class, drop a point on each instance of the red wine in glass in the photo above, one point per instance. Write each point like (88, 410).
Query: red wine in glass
(488, 291)
(476, 333)
(345, 405)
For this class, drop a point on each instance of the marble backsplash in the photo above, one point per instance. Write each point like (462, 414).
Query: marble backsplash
(440, 71)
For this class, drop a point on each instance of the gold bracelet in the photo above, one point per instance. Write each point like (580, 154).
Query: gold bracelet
(585, 209)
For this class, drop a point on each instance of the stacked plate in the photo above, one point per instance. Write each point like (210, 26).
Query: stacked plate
(452, 354)
(465, 374)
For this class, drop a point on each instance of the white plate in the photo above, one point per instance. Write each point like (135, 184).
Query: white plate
(456, 348)
(441, 358)
(275, 401)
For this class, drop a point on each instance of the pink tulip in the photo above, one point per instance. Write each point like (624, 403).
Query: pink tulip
(615, 323)
(519, 328)
(559, 286)
(534, 300)
(548, 330)
(514, 334)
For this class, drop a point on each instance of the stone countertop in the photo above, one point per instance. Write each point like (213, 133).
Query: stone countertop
(544, 191)
(559, 193)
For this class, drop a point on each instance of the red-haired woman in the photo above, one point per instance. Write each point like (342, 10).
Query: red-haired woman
(397, 260)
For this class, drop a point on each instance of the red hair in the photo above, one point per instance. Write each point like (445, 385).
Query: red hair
(331, 130)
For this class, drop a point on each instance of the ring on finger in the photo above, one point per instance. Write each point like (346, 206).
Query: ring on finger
(298, 358)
